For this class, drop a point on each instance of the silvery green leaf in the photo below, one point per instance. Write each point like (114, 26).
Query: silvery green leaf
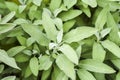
(52, 45)
(20, 21)
(21, 8)
(79, 33)
(8, 60)
(78, 51)
(1, 68)
(92, 3)
(37, 2)
(55, 4)
(7, 17)
(11, 6)
(69, 3)
(9, 78)
(69, 52)
(58, 22)
(66, 66)
(59, 36)
(104, 32)
(118, 76)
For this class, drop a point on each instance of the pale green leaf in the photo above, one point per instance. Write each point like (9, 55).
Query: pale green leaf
(98, 52)
(116, 62)
(30, 41)
(85, 75)
(45, 62)
(92, 3)
(37, 2)
(34, 31)
(55, 4)
(102, 18)
(11, 6)
(45, 74)
(66, 66)
(69, 3)
(15, 50)
(112, 47)
(78, 51)
(7, 17)
(22, 40)
(59, 36)
(95, 66)
(79, 33)
(104, 32)
(69, 52)
(34, 66)
(6, 27)
(9, 78)
(68, 15)
(99, 76)
(21, 8)
(48, 25)
(7, 60)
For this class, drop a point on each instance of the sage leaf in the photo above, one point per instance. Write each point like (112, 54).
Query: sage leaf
(34, 65)
(66, 66)
(85, 75)
(55, 4)
(69, 3)
(69, 52)
(79, 33)
(9, 78)
(112, 47)
(8, 60)
(95, 66)
(92, 3)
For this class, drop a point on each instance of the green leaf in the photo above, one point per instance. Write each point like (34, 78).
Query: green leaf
(1, 68)
(92, 3)
(78, 34)
(59, 36)
(34, 66)
(46, 74)
(9, 78)
(85, 75)
(98, 52)
(116, 62)
(15, 50)
(37, 2)
(78, 51)
(6, 27)
(113, 35)
(102, 18)
(112, 47)
(68, 25)
(48, 25)
(45, 62)
(58, 74)
(86, 11)
(55, 4)
(118, 76)
(68, 15)
(30, 41)
(104, 32)
(95, 66)
(69, 3)
(66, 66)
(11, 6)
(34, 31)
(27, 72)
(22, 40)
(21, 8)
(8, 60)
(69, 52)
(99, 76)
(7, 17)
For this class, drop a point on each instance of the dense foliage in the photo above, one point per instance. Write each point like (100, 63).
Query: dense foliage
(59, 39)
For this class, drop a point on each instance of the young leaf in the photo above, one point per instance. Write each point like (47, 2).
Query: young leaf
(34, 31)
(6, 27)
(95, 66)
(45, 63)
(112, 47)
(48, 25)
(7, 17)
(15, 50)
(92, 3)
(68, 15)
(69, 3)
(55, 4)
(78, 34)
(69, 52)
(85, 75)
(34, 66)
(66, 66)
(98, 52)
(102, 18)
(9, 78)
(8, 60)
